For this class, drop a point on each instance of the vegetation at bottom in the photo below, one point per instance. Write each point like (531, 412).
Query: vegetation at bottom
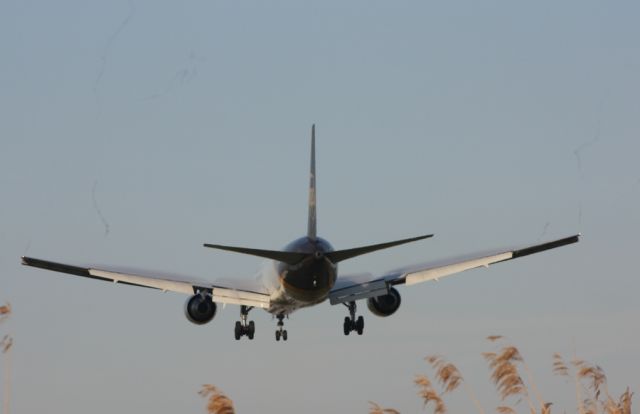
(506, 367)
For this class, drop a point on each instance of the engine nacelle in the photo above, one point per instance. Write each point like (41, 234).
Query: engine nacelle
(385, 305)
(200, 309)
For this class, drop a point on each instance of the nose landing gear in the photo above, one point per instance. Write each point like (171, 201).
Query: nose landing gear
(350, 322)
(281, 332)
(243, 328)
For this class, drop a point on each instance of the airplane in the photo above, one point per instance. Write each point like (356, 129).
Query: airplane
(304, 273)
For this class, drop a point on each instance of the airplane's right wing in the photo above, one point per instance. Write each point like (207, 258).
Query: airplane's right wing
(231, 292)
(363, 286)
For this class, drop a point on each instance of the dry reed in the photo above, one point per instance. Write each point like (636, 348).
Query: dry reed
(376, 409)
(506, 377)
(218, 402)
(559, 367)
(6, 343)
(590, 380)
(429, 394)
(505, 373)
(450, 378)
(5, 311)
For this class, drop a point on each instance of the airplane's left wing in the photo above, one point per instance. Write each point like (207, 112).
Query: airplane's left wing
(363, 286)
(230, 293)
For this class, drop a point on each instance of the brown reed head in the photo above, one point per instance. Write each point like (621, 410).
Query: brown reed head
(447, 374)
(5, 309)
(218, 402)
(429, 394)
(559, 367)
(593, 374)
(376, 409)
(505, 373)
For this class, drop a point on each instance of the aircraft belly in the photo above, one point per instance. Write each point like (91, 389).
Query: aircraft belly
(287, 298)
(284, 303)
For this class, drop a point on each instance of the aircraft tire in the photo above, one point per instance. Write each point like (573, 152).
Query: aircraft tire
(360, 325)
(251, 329)
(238, 330)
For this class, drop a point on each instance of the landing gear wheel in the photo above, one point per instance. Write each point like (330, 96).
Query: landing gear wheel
(280, 331)
(350, 322)
(238, 330)
(360, 325)
(251, 330)
(243, 328)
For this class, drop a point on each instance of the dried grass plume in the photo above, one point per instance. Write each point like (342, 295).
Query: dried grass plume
(376, 409)
(429, 394)
(218, 402)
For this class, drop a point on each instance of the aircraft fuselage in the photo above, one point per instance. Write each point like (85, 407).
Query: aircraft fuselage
(304, 284)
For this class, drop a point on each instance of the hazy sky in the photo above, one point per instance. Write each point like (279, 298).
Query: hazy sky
(178, 123)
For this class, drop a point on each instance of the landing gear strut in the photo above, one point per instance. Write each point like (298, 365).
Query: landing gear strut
(242, 327)
(350, 322)
(281, 332)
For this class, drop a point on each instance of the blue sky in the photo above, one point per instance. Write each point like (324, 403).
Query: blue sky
(487, 123)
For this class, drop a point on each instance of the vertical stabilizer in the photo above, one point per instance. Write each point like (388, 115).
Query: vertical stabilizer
(311, 225)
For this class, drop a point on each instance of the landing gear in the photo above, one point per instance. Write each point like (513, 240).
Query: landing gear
(350, 322)
(242, 327)
(281, 332)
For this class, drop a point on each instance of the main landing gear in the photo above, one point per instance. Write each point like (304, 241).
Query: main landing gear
(242, 327)
(350, 322)
(281, 332)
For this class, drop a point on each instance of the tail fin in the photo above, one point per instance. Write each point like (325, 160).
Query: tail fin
(311, 224)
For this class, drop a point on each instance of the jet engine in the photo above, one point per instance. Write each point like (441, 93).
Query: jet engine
(200, 309)
(385, 305)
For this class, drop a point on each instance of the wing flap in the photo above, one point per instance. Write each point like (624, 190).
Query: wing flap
(239, 297)
(438, 272)
(161, 284)
(357, 292)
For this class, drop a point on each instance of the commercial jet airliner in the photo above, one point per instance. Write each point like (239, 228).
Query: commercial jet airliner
(304, 273)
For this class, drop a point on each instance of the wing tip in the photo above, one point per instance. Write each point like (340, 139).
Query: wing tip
(547, 246)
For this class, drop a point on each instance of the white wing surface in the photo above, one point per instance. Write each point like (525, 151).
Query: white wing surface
(230, 292)
(352, 288)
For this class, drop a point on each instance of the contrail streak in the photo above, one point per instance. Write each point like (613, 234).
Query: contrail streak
(97, 208)
(107, 49)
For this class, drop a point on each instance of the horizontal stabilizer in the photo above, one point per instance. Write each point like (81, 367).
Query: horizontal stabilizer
(340, 255)
(291, 258)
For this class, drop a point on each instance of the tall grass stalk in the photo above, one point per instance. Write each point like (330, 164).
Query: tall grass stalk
(592, 392)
